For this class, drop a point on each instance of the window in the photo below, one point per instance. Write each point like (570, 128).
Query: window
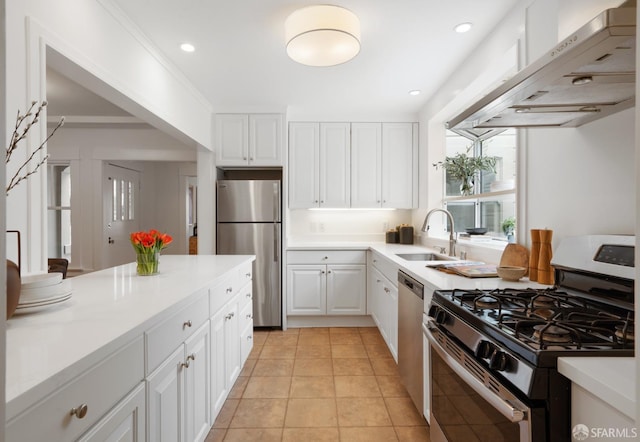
(59, 210)
(492, 201)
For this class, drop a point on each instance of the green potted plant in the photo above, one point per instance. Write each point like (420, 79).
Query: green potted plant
(508, 227)
(464, 167)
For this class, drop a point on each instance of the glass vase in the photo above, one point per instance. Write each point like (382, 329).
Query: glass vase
(466, 187)
(147, 263)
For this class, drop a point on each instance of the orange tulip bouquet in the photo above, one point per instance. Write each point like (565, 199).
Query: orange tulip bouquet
(148, 246)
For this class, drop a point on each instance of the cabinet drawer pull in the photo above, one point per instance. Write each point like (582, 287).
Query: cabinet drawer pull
(80, 411)
(192, 356)
(387, 290)
(187, 324)
(230, 289)
(229, 316)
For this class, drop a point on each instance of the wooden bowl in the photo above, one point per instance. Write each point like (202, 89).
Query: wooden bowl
(511, 273)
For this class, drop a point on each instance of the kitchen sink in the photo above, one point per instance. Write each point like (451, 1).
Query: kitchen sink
(424, 257)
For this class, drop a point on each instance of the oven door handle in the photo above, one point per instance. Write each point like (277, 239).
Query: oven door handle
(506, 409)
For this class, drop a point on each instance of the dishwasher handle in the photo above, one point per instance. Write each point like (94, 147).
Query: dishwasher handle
(414, 286)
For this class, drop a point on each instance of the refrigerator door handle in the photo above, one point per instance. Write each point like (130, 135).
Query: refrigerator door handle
(276, 202)
(276, 241)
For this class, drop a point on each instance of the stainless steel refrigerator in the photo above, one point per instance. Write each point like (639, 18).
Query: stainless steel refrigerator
(249, 223)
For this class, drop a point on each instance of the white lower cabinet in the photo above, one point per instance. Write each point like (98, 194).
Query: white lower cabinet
(327, 290)
(124, 423)
(326, 282)
(383, 299)
(166, 384)
(178, 392)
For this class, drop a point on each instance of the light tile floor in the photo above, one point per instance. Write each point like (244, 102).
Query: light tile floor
(319, 384)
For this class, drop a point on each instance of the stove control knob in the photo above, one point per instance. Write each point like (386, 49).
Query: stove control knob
(441, 316)
(485, 349)
(500, 361)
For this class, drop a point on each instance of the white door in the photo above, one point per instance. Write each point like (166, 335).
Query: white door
(303, 165)
(121, 203)
(346, 290)
(218, 385)
(124, 423)
(306, 287)
(197, 389)
(165, 399)
(335, 165)
(397, 165)
(366, 166)
(265, 140)
(232, 139)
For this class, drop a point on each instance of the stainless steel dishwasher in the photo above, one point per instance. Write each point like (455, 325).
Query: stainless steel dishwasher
(410, 308)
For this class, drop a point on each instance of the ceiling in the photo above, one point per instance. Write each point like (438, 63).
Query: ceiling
(240, 58)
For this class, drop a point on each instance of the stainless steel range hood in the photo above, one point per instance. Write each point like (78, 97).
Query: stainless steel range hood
(589, 75)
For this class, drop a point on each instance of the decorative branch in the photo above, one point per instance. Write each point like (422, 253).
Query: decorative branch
(20, 134)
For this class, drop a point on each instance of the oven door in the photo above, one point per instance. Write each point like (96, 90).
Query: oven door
(467, 402)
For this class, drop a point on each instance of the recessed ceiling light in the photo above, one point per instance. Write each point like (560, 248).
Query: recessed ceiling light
(414, 92)
(187, 47)
(462, 27)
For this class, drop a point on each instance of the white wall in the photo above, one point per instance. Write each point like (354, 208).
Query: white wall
(109, 56)
(582, 180)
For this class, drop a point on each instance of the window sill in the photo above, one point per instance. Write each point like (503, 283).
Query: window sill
(486, 195)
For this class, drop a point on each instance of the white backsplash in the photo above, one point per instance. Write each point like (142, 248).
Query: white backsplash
(344, 225)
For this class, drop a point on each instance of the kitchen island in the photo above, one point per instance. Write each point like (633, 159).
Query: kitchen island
(115, 322)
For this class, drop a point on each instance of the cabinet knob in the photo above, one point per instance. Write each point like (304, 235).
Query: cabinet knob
(249, 338)
(326, 257)
(80, 411)
(378, 201)
(322, 272)
(230, 289)
(244, 158)
(316, 201)
(249, 316)
(248, 275)
(328, 271)
(387, 290)
(321, 201)
(248, 295)
(250, 158)
(187, 324)
(378, 281)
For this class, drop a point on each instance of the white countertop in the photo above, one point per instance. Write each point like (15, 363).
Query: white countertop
(428, 276)
(611, 379)
(108, 308)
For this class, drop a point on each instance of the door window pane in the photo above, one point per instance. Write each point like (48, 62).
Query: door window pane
(59, 211)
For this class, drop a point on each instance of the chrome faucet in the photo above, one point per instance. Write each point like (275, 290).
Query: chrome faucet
(452, 240)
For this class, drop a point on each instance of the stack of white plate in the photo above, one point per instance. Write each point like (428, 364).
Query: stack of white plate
(41, 291)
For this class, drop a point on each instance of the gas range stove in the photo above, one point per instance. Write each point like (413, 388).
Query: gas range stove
(517, 332)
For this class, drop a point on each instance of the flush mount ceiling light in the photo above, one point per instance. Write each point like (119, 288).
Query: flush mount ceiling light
(322, 35)
(462, 27)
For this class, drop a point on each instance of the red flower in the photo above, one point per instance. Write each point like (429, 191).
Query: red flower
(150, 242)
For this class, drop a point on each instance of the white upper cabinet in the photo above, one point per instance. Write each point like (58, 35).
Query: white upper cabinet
(319, 158)
(335, 160)
(366, 165)
(304, 162)
(249, 140)
(398, 165)
(383, 165)
(363, 165)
